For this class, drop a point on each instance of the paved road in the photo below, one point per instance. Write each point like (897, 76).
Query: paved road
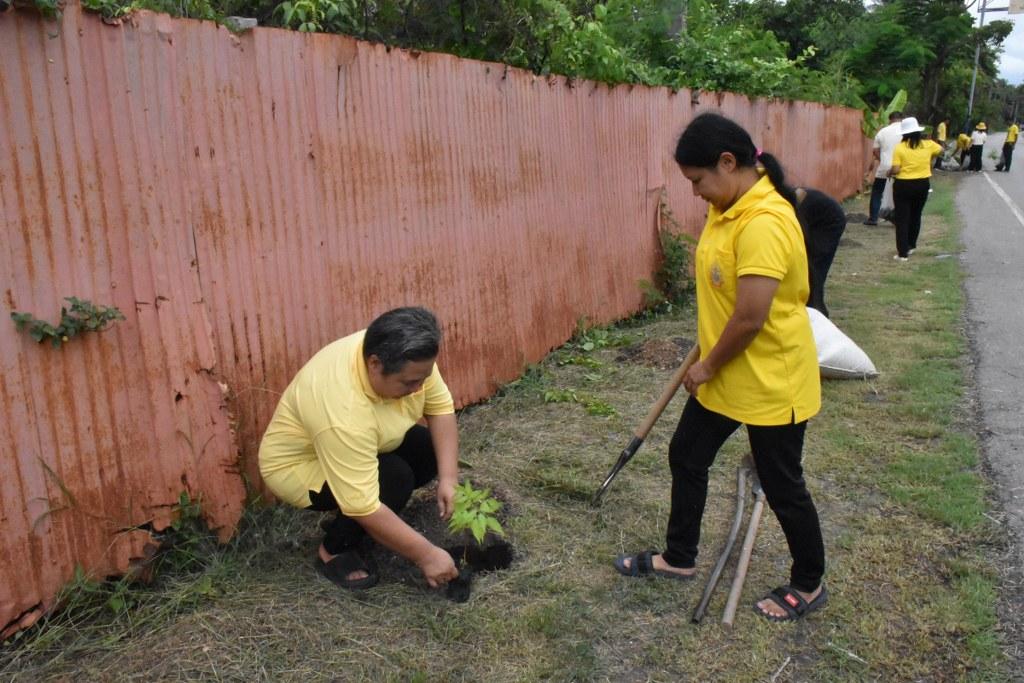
(992, 207)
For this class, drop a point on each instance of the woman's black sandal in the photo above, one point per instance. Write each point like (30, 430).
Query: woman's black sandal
(642, 564)
(790, 600)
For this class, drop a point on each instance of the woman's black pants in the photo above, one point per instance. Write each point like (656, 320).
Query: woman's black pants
(401, 471)
(777, 454)
(821, 250)
(909, 196)
(976, 151)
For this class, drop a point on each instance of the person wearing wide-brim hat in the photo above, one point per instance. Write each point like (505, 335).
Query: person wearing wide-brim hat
(978, 138)
(911, 171)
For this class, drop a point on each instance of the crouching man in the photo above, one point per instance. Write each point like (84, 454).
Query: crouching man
(345, 437)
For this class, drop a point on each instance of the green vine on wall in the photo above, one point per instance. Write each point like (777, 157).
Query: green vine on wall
(83, 316)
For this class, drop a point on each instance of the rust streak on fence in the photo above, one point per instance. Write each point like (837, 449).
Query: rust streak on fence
(246, 199)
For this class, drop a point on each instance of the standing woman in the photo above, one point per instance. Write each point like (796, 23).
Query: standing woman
(758, 365)
(911, 168)
(978, 138)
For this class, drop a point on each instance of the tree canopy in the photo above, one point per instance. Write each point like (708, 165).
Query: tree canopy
(835, 51)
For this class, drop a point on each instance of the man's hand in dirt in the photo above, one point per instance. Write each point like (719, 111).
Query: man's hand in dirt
(438, 567)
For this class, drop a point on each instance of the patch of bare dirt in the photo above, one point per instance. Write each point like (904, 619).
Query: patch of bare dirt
(664, 354)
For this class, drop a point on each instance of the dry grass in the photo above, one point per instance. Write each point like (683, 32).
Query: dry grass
(891, 463)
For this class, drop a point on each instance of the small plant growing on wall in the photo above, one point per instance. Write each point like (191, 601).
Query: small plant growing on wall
(82, 316)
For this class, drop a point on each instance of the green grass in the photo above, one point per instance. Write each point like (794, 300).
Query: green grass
(892, 464)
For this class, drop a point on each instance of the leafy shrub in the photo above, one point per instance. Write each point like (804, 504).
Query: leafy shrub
(193, 9)
(672, 278)
(336, 16)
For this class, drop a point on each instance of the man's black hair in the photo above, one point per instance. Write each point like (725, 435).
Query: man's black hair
(401, 335)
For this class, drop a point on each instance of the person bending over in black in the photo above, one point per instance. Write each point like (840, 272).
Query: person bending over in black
(823, 222)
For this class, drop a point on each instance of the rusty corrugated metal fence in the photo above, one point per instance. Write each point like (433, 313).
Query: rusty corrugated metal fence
(246, 199)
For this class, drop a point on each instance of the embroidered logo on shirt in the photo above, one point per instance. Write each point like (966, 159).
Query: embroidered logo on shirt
(716, 275)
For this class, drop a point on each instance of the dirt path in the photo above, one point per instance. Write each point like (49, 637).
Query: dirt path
(991, 206)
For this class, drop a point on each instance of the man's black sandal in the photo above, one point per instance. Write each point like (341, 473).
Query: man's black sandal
(343, 564)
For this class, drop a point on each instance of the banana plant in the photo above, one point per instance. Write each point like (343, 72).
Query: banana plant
(876, 121)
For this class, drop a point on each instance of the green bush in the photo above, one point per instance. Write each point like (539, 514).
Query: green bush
(672, 278)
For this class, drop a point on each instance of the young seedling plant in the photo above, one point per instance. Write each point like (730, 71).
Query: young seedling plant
(474, 513)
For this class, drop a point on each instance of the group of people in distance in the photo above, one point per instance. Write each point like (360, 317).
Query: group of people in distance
(904, 155)
(347, 433)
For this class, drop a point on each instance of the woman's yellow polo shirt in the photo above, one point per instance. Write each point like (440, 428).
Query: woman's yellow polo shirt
(775, 380)
(915, 162)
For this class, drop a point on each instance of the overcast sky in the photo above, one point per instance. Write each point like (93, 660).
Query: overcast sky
(1011, 66)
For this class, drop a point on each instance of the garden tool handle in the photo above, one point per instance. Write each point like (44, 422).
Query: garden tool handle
(666, 395)
(744, 559)
(737, 521)
(652, 416)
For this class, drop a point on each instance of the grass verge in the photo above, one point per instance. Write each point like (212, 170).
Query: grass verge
(892, 463)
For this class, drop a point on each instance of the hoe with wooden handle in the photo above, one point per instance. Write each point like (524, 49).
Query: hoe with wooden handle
(641, 433)
(737, 520)
(745, 552)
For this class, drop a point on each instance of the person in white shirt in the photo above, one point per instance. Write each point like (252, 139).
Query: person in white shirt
(885, 142)
(978, 138)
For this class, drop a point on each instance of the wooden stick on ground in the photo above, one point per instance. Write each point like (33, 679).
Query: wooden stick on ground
(737, 520)
(745, 552)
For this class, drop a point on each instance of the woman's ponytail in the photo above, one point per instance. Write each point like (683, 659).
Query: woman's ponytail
(775, 173)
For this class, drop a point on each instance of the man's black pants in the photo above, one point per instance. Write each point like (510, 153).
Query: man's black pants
(777, 453)
(1004, 163)
(401, 471)
(875, 203)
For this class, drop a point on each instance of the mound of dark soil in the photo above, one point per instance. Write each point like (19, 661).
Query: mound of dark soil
(421, 514)
(664, 354)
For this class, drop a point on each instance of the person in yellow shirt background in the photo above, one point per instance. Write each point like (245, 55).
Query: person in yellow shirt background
(1011, 141)
(757, 366)
(911, 169)
(345, 437)
(940, 137)
(963, 147)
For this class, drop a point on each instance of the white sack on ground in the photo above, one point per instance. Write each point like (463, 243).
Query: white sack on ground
(838, 356)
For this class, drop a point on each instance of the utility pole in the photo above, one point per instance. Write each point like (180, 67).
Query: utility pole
(982, 9)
